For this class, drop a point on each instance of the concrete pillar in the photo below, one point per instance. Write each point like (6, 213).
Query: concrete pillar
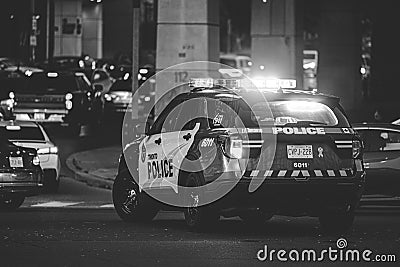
(276, 31)
(68, 15)
(339, 51)
(92, 29)
(117, 28)
(188, 30)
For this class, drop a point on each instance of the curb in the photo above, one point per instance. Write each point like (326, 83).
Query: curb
(82, 176)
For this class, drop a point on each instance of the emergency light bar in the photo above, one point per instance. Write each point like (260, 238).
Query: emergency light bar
(241, 83)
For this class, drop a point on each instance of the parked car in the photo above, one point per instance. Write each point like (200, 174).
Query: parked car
(381, 157)
(20, 174)
(66, 98)
(13, 65)
(240, 62)
(32, 135)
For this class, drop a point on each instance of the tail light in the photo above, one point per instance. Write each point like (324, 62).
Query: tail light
(48, 150)
(234, 147)
(357, 148)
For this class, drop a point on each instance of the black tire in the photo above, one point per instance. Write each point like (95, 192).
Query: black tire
(337, 221)
(197, 218)
(255, 217)
(11, 203)
(129, 203)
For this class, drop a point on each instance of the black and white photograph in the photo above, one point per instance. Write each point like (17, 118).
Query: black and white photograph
(199, 133)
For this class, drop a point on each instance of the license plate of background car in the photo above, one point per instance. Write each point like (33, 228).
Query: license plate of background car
(16, 162)
(39, 116)
(299, 151)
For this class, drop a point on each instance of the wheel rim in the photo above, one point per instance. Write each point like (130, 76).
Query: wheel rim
(192, 209)
(129, 199)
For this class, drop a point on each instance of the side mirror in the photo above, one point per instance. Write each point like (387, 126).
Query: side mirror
(98, 88)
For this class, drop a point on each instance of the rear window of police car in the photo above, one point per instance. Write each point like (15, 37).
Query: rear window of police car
(283, 112)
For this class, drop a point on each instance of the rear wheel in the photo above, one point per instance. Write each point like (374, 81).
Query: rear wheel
(197, 218)
(11, 203)
(129, 203)
(337, 221)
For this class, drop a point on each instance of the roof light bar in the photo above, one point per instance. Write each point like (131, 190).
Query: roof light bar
(237, 83)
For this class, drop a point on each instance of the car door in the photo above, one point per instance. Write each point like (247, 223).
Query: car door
(382, 160)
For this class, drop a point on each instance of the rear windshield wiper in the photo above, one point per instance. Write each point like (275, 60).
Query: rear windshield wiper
(305, 123)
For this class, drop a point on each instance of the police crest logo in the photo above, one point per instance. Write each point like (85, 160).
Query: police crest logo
(143, 156)
(320, 152)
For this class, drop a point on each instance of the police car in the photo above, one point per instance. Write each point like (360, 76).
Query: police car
(244, 152)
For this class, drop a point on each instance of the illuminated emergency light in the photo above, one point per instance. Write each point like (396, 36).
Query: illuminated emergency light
(52, 74)
(244, 83)
(210, 83)
(274, 83)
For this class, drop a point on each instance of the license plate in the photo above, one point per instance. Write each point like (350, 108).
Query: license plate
(39, 116)
(16, 162)
(299, 151)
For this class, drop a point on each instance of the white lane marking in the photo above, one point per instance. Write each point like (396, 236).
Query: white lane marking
(55, 204)
(107, 206)
(343, 173)
(331, 173)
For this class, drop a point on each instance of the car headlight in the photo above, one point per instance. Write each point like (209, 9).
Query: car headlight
(36, 161)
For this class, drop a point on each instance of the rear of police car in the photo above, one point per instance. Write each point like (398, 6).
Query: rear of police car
(296, 154)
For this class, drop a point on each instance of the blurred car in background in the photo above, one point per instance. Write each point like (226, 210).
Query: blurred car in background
(103, 78)
(20, 174)
(85, 64)
(381, 157)
(33, 135)
(118, 99)
(13, 65)
(58, 97)
(240, 62)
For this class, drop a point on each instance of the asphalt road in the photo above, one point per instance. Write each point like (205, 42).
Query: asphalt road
(78, 227)
(97, 237)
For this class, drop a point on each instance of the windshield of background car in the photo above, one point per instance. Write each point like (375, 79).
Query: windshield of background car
(24, 133)
(122, 86)
(45, 84)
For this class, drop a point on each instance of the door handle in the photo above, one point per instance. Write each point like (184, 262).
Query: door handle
(187, 136)
(158, 141)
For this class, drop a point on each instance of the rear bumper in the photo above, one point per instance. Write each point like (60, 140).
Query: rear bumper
(280, 196)
(26, 183)
(290, 196)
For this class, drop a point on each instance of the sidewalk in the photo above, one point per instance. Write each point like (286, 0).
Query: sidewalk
(96, 167)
